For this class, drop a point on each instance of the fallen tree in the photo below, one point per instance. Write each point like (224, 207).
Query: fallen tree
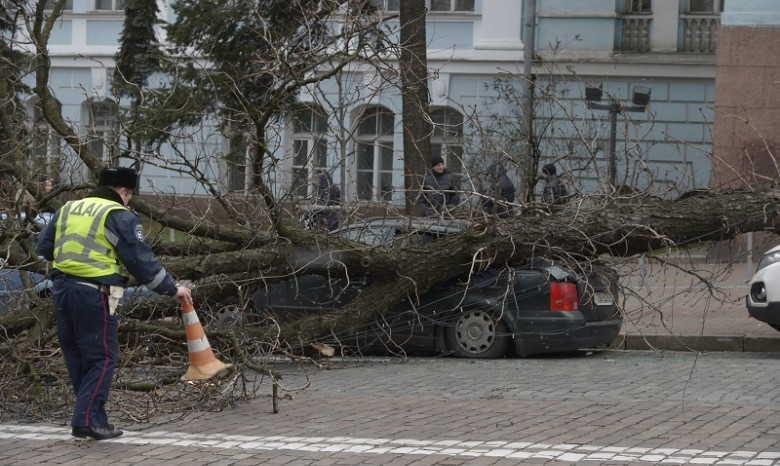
(257, 239)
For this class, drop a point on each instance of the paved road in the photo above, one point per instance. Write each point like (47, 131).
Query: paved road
(612, 407)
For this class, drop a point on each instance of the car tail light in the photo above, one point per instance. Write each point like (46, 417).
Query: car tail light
(563, 296)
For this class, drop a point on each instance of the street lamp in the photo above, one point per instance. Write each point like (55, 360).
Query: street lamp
(640, 98)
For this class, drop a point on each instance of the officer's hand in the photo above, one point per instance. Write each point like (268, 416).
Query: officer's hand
(184, 294)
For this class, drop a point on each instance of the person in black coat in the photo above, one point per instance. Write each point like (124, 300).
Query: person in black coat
(439, 191)
(329, 194)
(554, 192)
(500, 192)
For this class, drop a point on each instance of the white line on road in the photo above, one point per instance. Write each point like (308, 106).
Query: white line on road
(569, 452)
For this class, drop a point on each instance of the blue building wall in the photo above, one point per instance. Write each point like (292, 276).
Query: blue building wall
(666, 145)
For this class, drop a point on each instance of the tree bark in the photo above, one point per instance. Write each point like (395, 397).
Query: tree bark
(417, 127)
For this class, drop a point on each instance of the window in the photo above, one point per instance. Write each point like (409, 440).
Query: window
(638, 6)
(636, 22)
(45, 145)
(386, 5)
(705, 6)
(310, 148)
(447, 138)
(374, 153)
(51, 3)
(432, 5)
(236, 162)
(103, 130)
(701, 22)
(451, 5)
(109, 5)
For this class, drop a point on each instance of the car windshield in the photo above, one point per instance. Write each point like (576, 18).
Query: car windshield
(396, 234)
(769, 259)
(370, 235)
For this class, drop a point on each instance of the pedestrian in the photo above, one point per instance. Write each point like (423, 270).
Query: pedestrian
(328, 194)
(439, 193)
(93, 244)
(500, 192)
(554, 192)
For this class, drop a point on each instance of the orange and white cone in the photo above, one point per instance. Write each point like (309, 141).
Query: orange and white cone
(203, 364)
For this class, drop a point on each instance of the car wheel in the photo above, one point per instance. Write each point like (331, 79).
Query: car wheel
(477, 334)
(226, 314)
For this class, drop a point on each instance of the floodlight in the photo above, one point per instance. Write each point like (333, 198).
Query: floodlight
(593, 92)
(641, 96)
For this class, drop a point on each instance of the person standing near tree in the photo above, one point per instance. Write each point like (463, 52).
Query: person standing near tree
(439, 193)
(94, 244)
(500, 192)
(328, 194)
(554, 192)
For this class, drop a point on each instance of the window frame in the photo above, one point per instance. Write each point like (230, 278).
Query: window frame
(386, 7)
(50, 159)
(645, 7)
(236, 162)
(103, 134)
(116, 5)
(454, 4)
(717, 8)
(50, 5)
(379, 144)
(313, 134)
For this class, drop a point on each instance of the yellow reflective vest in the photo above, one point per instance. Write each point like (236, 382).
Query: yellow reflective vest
(81, 247)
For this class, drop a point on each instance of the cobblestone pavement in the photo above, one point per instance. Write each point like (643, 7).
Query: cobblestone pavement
(600, 408)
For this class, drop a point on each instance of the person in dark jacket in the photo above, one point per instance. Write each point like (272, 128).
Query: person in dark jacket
(554, 192)
(94, 244)
(328, 194)
(500, 192)
(438, 191)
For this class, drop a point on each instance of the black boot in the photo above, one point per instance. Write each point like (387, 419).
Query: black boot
(97, 433)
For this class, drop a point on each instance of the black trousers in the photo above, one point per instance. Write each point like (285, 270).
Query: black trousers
(88, 339)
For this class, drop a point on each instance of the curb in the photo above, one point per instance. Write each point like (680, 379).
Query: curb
(728, 343)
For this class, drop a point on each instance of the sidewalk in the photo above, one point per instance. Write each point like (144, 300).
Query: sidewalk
(669, 309)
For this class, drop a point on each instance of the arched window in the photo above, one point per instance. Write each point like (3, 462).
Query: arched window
(447, 138)
(309, 146)
(45, 144)
(374, 152)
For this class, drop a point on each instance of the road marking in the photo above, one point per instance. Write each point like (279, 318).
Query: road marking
(567, 453)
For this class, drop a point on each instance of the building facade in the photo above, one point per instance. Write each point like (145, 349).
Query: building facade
(666, 46)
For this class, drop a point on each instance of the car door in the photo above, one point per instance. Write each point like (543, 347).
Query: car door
(413, 320)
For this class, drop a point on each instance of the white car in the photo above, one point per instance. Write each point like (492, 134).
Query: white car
(763, 301)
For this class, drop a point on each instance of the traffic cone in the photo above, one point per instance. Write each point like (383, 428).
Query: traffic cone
(203, 364)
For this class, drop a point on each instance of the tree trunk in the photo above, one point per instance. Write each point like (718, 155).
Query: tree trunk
(417, 127)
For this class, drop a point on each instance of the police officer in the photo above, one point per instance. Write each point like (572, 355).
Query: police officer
(94, 244)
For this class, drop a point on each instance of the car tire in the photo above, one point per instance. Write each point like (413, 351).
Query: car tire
(228, 313)
(477, 334)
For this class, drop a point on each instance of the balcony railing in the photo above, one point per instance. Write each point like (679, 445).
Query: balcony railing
(701, 33)
(635, 35)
